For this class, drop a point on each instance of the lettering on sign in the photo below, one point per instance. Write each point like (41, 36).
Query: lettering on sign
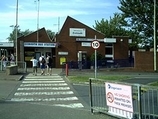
(119, 96)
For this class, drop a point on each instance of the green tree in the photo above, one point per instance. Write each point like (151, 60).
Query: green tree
(12, 36)
(50, 34)
(115, 26)
(139, 15)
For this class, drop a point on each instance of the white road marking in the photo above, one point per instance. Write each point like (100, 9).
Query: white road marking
(41, 88)
(43, 93)
(39, 79)
(73, 105)
(45, 84)
(45, 99)
(45, 88)
(43, 81)
(38, 74)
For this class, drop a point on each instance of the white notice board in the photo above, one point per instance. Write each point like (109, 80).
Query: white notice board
(119, 96)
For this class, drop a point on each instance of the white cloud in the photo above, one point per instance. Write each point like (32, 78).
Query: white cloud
(50, 10)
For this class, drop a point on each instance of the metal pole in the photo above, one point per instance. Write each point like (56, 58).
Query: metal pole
(95, 61)
(155, 64)
(58, 24)
(139, 101)
(16, 33)
(90, 95)
(37, 21)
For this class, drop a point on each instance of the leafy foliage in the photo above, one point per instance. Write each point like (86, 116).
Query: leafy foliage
(115, 26)
(139, 15)
(99, 56)
(50, 34)
(12, 36)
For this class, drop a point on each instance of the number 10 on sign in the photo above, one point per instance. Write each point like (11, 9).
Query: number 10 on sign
(95, 44)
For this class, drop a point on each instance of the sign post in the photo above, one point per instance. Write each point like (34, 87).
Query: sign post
(95, 44)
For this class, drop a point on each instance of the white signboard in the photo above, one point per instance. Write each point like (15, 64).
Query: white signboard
(6, 44)
(62, 53)
(39, 44)
(86, 44)
(119, 96)
(89, 39)
(81, 32)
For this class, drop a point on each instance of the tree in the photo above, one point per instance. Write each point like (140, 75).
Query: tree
(115, 26)
(139, 15)
(50, 34)
(12, 35)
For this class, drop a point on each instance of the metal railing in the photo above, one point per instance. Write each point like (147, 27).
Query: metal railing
(100, 64)
(145, 100)
(21, 66)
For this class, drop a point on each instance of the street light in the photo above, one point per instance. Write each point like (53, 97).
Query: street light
(37, 18)
(16, 32)
(155, 64)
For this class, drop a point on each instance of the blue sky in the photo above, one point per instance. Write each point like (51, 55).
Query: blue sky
(85, 11)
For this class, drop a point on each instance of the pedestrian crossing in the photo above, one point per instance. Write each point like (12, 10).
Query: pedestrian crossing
(52, 89)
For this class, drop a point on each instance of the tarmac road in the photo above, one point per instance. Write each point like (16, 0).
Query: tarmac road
(13, 110)
(28, 110)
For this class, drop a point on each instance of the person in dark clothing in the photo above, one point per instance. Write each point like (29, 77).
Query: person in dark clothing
(49, 64)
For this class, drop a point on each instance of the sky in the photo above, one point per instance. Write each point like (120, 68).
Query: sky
(50, 12)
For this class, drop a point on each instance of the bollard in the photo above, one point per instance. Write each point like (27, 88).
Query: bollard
(66, 69)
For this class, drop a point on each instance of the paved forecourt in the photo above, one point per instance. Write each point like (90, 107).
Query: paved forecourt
(52, 90)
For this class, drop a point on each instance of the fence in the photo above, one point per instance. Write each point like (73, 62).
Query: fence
(21, 66)
(144, 98)
(100, 64)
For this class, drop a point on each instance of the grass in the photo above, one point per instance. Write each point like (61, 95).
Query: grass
(81, 79)
(154, 84)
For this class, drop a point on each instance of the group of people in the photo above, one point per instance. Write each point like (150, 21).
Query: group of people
(5, 60)
(44, 62)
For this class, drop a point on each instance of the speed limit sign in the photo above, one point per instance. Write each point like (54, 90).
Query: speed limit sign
(95, 44)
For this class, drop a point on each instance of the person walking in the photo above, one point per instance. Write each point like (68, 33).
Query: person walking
(4, 61)
(34, 65)
(49, 64)
(12, 59)
(42, 64)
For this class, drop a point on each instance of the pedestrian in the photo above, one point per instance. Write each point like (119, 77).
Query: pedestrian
(4, 61)
(12, 59)
(34, 65)
(42, 64)
(49, 64)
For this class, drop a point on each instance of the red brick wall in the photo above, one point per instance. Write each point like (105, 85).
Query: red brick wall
(121, 48)
(144, 61)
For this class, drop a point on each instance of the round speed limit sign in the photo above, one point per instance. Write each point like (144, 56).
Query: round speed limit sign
(95, 44)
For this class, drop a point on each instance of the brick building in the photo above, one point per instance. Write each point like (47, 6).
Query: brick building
(72, 43)
(75, 40)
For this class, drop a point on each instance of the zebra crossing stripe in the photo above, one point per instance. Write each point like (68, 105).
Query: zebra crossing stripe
(43, 93)
(43, 81)
(73, 105)
(45, 84)
(38, 74)
(45, 88)
(45, 99)
(43, 78)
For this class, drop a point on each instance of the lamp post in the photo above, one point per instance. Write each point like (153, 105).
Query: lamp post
(16, 32)
(38, 21)
(155, 64)
(37, 2)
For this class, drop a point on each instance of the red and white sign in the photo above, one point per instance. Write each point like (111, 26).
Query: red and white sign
(95, 44)
(119, 96)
